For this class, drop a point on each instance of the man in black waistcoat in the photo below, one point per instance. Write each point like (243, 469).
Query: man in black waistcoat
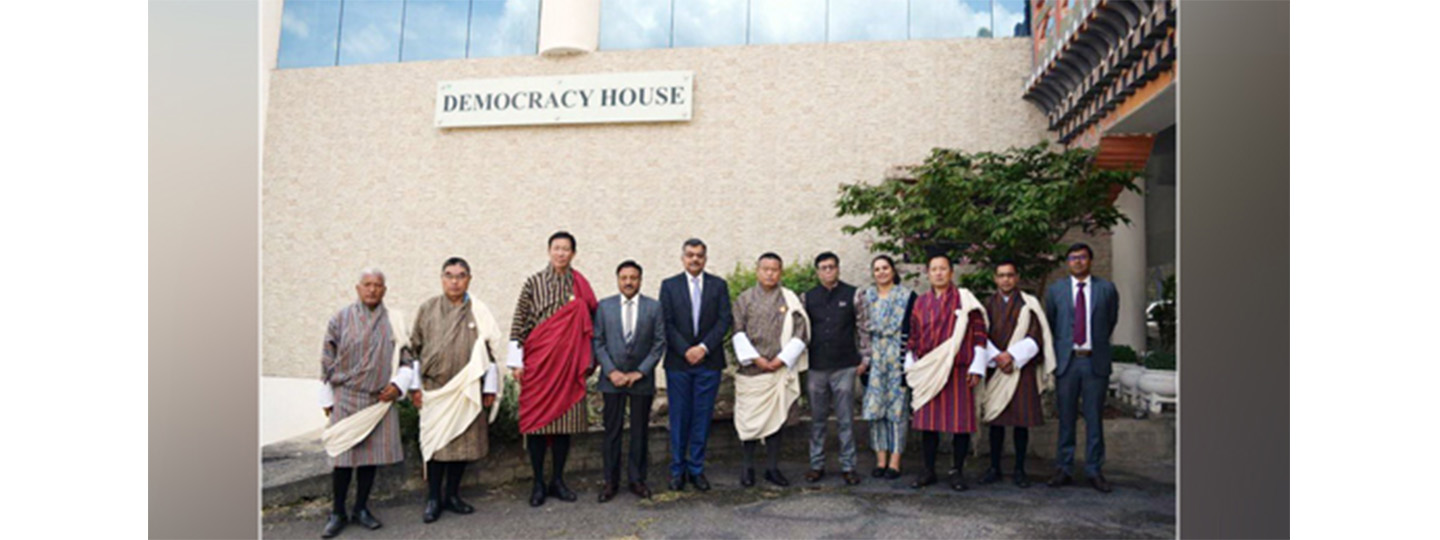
(834, 355)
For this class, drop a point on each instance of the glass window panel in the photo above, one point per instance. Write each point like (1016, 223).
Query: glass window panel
(787, 21)
(867, 20)
(307, 33)
(710, 23)
(370, 31)
(940, 19)
(435, 29)
(504, 28)
(1011, 19)
(634, 24)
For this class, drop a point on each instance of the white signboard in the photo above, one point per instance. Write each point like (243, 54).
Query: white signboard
(655, 96)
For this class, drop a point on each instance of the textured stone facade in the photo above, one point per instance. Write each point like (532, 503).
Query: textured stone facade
(355, 174)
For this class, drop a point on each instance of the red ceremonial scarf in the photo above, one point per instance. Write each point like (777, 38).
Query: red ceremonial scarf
(557, 356)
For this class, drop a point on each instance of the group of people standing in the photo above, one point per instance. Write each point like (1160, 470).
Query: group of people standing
(942, 361)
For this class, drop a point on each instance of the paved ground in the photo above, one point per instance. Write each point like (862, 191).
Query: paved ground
(1142, 506)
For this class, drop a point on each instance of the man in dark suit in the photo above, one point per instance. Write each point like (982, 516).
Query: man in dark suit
(696, 309)
(1082, 310)
(629, 340)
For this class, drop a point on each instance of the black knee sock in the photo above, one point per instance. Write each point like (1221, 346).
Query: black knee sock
(434, 473)
(1022, 442)
(747, 454)
(961, 445)
(454, 471)
(340, 481)
(930, 447)
(560, 451)
(364, 480)
(537, 457)
(772, 451)
(997, 446)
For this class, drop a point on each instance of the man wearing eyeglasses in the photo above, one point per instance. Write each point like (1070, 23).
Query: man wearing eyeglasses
(1082, 310)
(834, 358)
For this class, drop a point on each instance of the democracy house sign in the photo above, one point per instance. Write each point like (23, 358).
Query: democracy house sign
(655, 96)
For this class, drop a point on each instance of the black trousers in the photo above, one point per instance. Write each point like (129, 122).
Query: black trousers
(615, 414)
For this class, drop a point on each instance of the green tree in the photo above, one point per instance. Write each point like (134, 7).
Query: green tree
(983, 207)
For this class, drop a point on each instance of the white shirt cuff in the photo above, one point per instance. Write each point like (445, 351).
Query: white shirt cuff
(744, 350)
(402, 378)
(1024, 352)
(792, 351)
(978, 367)
(703, 346)
(516, 359)
(991, 351)
(415, 380)
(492, 382)
(909, 360)
(326, 396)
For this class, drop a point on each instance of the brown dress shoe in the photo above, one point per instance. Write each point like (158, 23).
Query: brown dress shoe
(850, 477)
(814, 475)
(1100, 484)
(608, 493)
(1060, 479)
(640, 490)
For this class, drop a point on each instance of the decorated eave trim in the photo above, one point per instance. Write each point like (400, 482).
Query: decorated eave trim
(1095, 66)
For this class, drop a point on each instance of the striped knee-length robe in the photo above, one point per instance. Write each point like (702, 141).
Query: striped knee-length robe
(544, 293)
(1024, 408)
(355, 362)
(441, 342)
(954, 409)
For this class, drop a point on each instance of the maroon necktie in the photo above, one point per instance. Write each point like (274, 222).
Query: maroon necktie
(1079, 326)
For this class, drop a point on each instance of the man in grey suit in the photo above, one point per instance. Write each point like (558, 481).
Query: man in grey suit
(629, 340)
(1082, 310)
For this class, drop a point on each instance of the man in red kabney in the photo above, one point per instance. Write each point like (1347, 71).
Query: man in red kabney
(551, 353)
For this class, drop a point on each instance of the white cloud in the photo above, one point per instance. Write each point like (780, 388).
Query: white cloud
(294, 25)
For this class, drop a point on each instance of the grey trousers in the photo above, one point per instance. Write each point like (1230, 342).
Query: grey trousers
(832, 387)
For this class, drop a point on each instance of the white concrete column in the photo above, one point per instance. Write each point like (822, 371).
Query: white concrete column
(569, 27)
(1127, 252)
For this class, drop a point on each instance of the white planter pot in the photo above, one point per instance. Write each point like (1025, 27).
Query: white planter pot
(1158, 382)
(1130, 377)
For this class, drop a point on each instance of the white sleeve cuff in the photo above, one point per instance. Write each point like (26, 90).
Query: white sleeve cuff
(1024, 352)
(492, 382)
(744, 350)
(402, 377)
(978, 365)
(991, 351)
(415, 379)
(909, 360)
(516, 359)
(326, 396)
(792, 351)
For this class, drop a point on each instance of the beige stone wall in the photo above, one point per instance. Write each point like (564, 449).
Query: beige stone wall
(355, 174)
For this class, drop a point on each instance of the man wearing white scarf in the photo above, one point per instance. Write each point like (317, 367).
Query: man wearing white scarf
(771, 333)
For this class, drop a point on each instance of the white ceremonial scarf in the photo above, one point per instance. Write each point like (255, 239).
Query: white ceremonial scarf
(1000, 389)
(763, 401)
(447, 412)
(344, 434)
(928, 375)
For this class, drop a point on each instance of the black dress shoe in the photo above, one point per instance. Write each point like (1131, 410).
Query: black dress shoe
(454, 504)
(878, 472)
(850, 477)
(561, 491)
(991, 476)
(336, 524)
(892, 474)
(774, 477)
(1098, 482)
(1060, 479)
(366, 519)
(640, 490)
(677, 483)
(957, 482)
(432, 511)
(537, 495)
(814, 475)
(923, 480)
(1021, 479)
(700, 482)
(747, 478)
(608, 493)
